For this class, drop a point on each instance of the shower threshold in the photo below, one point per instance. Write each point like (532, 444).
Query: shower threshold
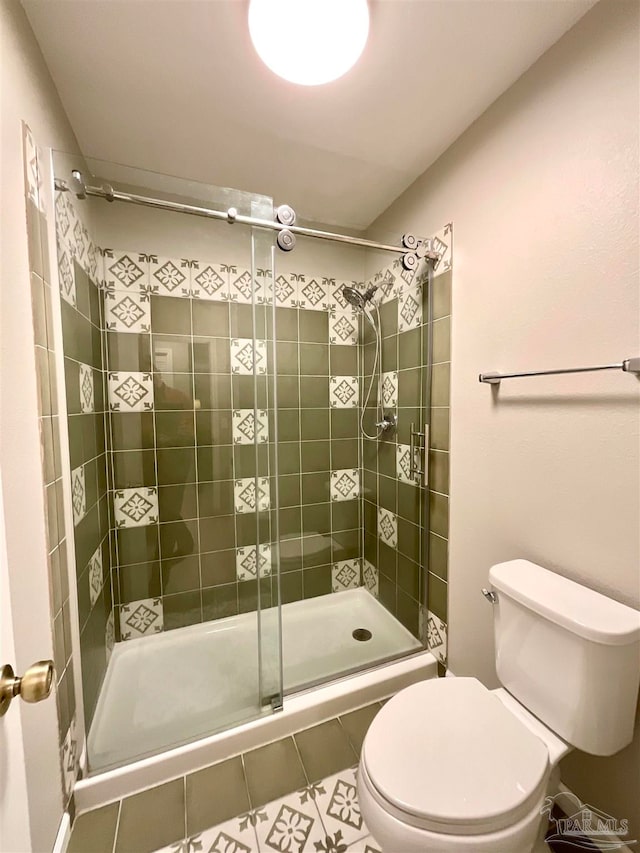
(184, 684)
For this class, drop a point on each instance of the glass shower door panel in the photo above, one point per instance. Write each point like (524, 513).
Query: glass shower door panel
(172, 453)
(266, 455)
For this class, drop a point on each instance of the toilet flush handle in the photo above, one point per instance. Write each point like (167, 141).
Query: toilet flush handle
(490, 596)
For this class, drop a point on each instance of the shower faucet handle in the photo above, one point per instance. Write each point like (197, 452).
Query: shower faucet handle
(388, 422)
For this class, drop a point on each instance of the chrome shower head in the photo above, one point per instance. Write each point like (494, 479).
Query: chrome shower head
(356, 297)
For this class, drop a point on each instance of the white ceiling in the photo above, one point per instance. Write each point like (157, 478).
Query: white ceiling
(174, 86)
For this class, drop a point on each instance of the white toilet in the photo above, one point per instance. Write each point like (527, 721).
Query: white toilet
(448, 765)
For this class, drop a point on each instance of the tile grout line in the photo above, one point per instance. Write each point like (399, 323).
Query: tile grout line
(298, 753)
(184, 791)
(245, 776)
(196, 472)
(115, 836)
(346, 733)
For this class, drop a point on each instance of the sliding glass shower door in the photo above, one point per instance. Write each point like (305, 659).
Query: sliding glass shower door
(168, 366)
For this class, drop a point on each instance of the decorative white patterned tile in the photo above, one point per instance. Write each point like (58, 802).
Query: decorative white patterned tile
(141, 618)
(32, 170)
(241, 285)
(437, 637)
(70, 759)
(94, 262)
(125, 270)
(403, 464)
(343, 328)
(136, 507)
(95, 575)
(78, 494)
(81, 243)
(397, 269)
(345, 484)
(337, 802)
(169, 276)
(312, 294)
(388, 282)
(246, 559)
(243, 423)
(63, 223)
(209, 281)
(66, 273)
(243, 354)
(343, 392)
(109, 635)
(390, 390)
(264, 286)
(409, 309)
(85, 380)
(286, 290)
(370, 577)
(244, 492)
(413, 276)
(73, 220)
(233, 836)
(442, 242)
(30, 164)
(365, 845)
(100, 267)
(388, 527)
(345, 575)
(289, 825)
(130, 392)
(127, 311)
(422, 271)
(44, 185)
(336, 298)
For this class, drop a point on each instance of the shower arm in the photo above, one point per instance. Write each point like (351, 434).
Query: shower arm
(410, 250)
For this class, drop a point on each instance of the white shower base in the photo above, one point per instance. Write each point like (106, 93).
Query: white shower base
(175, 687)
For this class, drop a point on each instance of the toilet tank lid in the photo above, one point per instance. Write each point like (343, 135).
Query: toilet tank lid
(577, 608)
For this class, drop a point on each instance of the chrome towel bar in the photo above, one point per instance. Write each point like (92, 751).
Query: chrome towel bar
(629, 365)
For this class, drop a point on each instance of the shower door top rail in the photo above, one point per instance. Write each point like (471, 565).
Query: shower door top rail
(108, 193)
(628, 365)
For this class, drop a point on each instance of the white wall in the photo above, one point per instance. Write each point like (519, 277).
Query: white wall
(543, 194)
(27, 94)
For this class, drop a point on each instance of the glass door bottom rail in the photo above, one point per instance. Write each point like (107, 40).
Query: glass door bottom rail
(174, 687)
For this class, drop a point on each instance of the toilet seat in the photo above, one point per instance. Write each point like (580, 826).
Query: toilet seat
(446, 755)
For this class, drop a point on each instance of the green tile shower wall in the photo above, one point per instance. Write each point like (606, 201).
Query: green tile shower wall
(49, 424)
(183, 539)
(184, 446)
(412, 568)
(81, 308)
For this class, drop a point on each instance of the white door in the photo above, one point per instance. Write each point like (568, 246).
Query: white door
(30, 787)
(14, 817)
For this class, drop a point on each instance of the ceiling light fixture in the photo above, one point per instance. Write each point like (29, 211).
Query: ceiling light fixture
(309, 42)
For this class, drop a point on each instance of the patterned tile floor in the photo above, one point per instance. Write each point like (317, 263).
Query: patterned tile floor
(245, 804)
(323, 817)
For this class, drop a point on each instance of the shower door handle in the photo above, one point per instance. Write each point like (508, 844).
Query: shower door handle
(423, 445)
(425, 458)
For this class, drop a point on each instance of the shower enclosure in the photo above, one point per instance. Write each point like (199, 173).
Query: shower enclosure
(237, 535)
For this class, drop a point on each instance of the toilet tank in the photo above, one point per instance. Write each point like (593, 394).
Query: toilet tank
(568, 654)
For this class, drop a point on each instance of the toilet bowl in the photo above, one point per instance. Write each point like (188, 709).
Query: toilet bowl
(447, 765)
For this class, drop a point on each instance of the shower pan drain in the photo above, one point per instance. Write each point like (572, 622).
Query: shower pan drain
(362, 635)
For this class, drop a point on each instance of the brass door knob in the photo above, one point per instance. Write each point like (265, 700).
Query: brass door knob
(34, 686)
